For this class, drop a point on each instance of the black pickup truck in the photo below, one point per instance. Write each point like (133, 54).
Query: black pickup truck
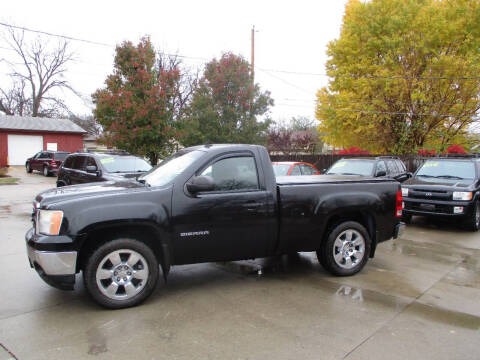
(205, 203)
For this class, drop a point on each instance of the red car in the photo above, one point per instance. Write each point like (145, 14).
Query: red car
(48, 162)
(291, 168)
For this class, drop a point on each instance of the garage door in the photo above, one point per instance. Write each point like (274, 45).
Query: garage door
(21, 147)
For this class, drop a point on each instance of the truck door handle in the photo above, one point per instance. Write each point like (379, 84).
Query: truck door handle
(252, 206)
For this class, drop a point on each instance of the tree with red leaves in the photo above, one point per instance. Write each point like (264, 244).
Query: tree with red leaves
(456, 149)
(226, 105)
(353, 150)
(426, 152)
(138, 108)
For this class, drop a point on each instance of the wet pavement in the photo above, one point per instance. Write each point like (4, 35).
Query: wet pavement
(418, 299)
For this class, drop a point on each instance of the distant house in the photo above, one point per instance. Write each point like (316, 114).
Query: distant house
(22, 137)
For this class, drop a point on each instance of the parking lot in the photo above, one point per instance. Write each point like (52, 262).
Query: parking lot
(418, 299)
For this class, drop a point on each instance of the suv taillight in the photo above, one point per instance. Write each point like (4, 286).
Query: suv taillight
(399, 204)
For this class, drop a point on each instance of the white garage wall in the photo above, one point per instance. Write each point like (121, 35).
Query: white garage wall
(21, 147)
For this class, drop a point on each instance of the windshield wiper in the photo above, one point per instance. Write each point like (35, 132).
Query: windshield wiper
(350, 174)
(450, 177)
(422, 175)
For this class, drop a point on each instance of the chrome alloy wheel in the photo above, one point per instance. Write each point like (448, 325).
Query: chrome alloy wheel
(349, 249)
(122, 274)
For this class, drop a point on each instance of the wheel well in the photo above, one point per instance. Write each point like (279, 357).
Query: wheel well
(97, 237)
(367, 220)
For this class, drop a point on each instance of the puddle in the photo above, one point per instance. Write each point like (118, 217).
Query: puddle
(443, 316)
(5, 211)
(425, 251)
(97, 342)
(288, 264)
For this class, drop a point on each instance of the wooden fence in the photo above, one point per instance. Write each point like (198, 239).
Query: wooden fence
(324, 161)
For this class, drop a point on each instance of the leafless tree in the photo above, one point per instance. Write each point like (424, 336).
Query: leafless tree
(185, 87)
(37, 73)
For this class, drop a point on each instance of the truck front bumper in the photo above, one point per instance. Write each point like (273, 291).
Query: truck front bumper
(56, 268)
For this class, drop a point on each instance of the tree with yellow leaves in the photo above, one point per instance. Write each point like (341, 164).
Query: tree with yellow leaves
(404, 74)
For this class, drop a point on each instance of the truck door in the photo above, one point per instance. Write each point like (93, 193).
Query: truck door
(227, 223)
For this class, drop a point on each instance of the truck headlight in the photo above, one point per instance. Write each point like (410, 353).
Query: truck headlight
(404, 192)
(462, 195)
(49, 222)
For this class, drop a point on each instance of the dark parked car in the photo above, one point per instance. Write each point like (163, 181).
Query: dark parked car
(80, 168)
(205, 203)
(48, 162)
(381, 166)
(291, 168)
(445, 187)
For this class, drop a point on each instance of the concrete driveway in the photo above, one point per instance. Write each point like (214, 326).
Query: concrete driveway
(418, 299)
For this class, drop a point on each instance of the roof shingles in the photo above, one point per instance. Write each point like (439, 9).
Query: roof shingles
(26, 123)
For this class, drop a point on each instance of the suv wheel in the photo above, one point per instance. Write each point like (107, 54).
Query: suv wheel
(473, 222)
(28, 168)
(45, 171)
(345, 252)
(121, 273)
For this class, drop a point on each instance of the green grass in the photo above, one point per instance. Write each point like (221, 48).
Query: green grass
(9, 180)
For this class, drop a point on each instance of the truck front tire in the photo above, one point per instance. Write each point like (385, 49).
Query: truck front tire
(346, 249)
(473, 221)
(121, 273)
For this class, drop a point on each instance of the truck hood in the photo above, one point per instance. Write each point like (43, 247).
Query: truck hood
(64, 193)
(439, 183)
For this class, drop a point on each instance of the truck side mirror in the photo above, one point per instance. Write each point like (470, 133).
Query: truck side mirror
(92, 169)
(199, 184)
(381, 173)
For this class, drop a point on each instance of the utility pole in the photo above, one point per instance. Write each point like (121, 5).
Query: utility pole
(252, 61)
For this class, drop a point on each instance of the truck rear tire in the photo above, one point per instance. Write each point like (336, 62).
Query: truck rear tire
(346, 249)
(121, 273)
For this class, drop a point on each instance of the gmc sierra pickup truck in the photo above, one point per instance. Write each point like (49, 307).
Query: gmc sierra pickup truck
(205, 203)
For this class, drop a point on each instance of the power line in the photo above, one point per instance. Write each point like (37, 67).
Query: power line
(376, 77)
(381, 112)
(55, 35)
(286, 82)
(398, 113)
(88, 41)
(268, 71)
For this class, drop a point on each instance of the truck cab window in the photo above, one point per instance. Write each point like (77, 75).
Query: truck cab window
(296, 170)
(235, 173)
(381, 167)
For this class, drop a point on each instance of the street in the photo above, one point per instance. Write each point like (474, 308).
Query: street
(417, 299)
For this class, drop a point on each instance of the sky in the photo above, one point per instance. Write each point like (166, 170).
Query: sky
(290, 40)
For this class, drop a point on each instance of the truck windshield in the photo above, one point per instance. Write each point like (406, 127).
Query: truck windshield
(170, 168)
(447, 169)
(281, 169)
(352, 167)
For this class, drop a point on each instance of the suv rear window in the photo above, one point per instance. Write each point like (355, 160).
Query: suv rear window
(78, 162)
(123, 164)
(60, 156)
